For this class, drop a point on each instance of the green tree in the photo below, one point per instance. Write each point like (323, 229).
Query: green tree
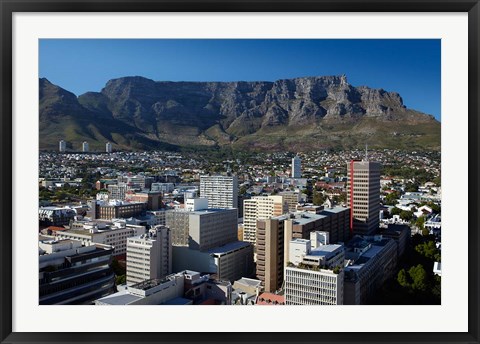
(402, 278)
(391, 198)
(396, 211)
(419, 277)
(406, 215)
(318, 198)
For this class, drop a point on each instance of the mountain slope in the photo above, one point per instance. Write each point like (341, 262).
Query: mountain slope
(293, 114)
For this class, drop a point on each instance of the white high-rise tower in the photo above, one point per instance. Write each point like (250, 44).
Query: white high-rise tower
(296, 167)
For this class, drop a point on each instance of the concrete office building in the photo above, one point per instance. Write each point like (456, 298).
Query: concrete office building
(116, 209)
(117, 191)
(108, 147)
(202, 229)
(114, 234)
(72, 274)
(260, 207)
(363, 196)
(371, 261)
(55, 216)
(149, 256)
(194, 204)
(221, 191)
(270, 252)
(62, 146)
(228, 262)
(314, 276)
(178, 222)
(313, 286)
(163, 187)
(211, 228)
(296, 167)
(334, 221)
(182, 288)
(152, 199)
(85, 146)
(291, 198)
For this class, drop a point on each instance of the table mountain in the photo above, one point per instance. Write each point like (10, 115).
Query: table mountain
(290, 114)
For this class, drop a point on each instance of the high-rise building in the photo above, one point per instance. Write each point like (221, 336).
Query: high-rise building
(292, 198)
(62, 146)
(149, 255)
(296, 167)
(363, 196)
(270, 252)
(221, 191)
(85, 146)
(261, 207)
(108, 147)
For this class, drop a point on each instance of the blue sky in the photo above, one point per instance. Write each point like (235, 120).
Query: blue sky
(409, 67)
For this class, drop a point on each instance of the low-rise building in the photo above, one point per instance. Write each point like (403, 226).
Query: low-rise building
(114, 234)
(371, 261)
(71, 273)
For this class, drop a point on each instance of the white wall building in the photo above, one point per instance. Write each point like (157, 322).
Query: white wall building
(62, 146)
(149, 255)
(100, 232)
(85, 146)
(221, 191)
(296, 167)
(108, 147)
(313, 287)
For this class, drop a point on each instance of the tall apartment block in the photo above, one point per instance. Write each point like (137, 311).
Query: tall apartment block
(85, 146)
(62, 146)
(221, 191)
(261, 207)
(296, 167)
(270, 252)
(149, 255)
(363, 196)
(108, 147)
(291, 198)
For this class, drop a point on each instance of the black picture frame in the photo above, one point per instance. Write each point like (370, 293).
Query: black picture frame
(8, 7)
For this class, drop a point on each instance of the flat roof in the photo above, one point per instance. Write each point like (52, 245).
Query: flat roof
(178, 301)
(229, 247)
(120, 298)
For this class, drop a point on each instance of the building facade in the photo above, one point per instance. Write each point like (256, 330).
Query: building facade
(221, 191)
(113, 234)
(85, 146)
(260, 207)
(296, 167)
(363, 196)
(270, 252)
(108, 147)
(73, 274)
(62, 146)
(149, 255)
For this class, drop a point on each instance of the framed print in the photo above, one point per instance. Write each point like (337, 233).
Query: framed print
(237, 155)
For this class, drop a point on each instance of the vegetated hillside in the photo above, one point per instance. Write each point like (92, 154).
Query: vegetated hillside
(294, 114)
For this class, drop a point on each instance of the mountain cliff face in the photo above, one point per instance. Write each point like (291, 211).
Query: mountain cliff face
(293, 114)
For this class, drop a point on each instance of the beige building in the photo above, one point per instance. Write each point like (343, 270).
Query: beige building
(292, 198)
(363, 196)
(260, 207)
(149, 255)
(102, 232)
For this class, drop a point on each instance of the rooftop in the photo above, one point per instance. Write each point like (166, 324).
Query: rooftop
(232, 246)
